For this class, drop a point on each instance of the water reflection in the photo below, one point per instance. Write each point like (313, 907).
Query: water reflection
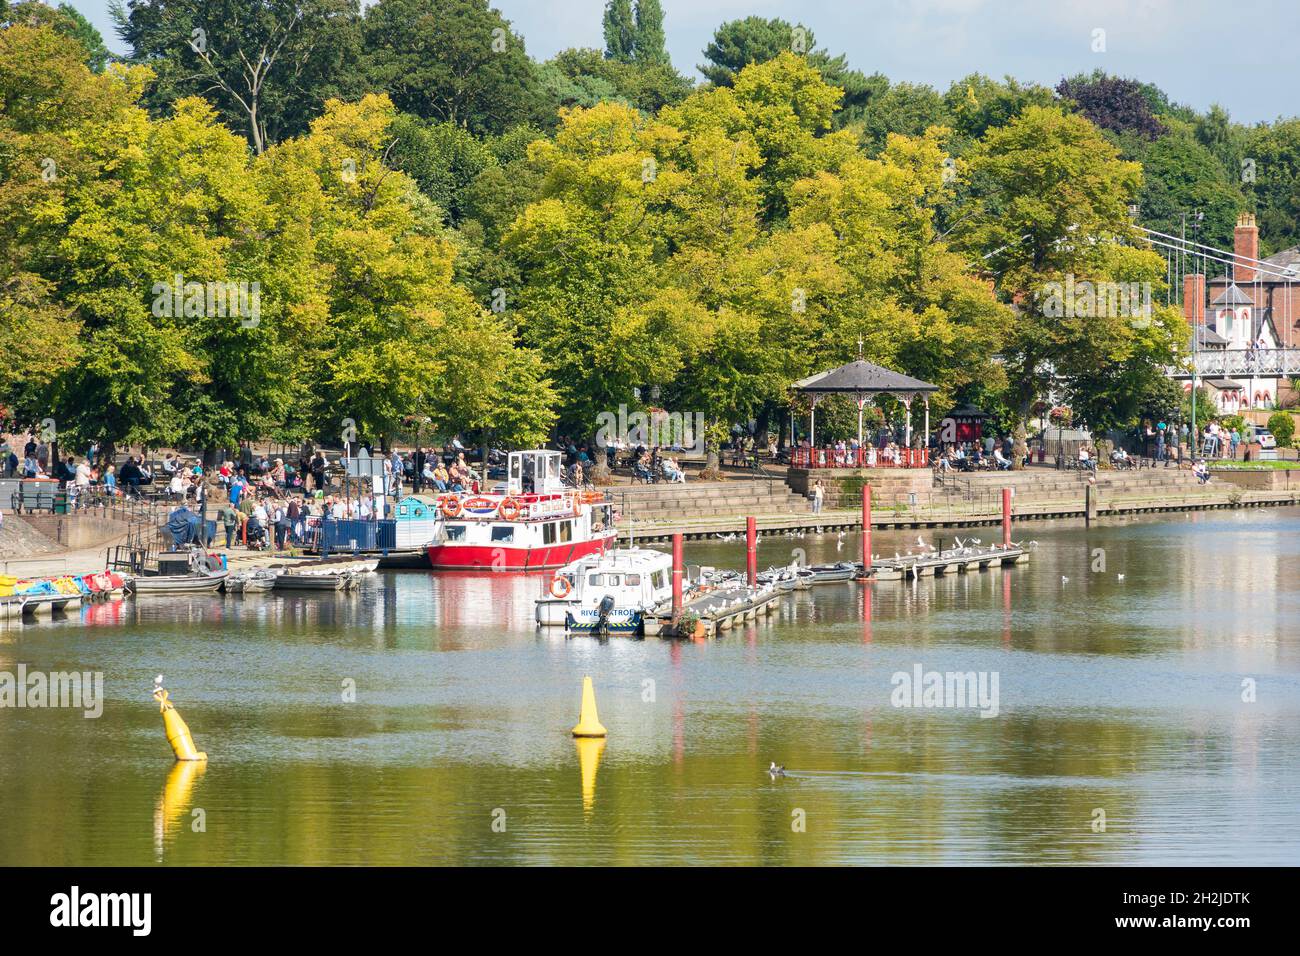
(174, 802)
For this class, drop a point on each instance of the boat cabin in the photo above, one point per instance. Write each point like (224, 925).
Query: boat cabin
(636, 578)
(533, 473)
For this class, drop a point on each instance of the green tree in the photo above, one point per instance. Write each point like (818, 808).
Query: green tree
(1179, 176)
(394, 325)
(907, 109)
(1274, 166)
(586, 77)
(444, 159)
(620, 30)
(977, 103)
(268, 67)
(737, 44)
(1282, 425)
(66, 21)
(452, 61)
(648, 35)
(1051, 196)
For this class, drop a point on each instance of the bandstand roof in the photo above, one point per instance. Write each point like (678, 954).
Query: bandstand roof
(863, 377)
(968, 411)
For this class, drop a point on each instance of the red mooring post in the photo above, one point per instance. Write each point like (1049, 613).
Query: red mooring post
(677, 573)
(751, 550)
(1006, 517)
(866, 531)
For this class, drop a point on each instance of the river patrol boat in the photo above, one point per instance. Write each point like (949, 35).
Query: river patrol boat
(613, 593)
(533, 522)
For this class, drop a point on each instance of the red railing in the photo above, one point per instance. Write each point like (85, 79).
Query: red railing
(860, 458)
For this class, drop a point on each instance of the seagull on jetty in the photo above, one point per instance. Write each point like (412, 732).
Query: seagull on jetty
(776, 771)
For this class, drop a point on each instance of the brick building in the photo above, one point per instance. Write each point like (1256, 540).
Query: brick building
(1254, 305)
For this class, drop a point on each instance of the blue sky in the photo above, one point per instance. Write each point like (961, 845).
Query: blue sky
(1239, 54)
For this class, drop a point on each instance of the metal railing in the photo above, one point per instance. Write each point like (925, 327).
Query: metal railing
(1228, 362)
(859, 458)
(352, 535)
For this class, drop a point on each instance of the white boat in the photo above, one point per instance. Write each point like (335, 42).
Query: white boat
(783, 579)
(611, 593)
(316, 579)
(829, 573)
(532, 522)
(196, 582)
(367, 566)
(259, 579)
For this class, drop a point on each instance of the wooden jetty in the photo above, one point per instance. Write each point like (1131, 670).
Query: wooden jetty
(909, 567)
(720, 610)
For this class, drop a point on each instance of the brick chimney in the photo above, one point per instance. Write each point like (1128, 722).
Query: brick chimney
(1194, 298)
(1245, 243)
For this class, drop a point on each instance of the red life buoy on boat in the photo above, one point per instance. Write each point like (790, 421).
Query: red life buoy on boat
(560, 587)
(509, 509)
(451, 506)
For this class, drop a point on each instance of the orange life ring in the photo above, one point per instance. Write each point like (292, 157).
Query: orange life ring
(560, 587)
(450, 506)
(508, 509)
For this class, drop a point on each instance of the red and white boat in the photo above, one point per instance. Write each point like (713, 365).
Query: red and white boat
(531, 524)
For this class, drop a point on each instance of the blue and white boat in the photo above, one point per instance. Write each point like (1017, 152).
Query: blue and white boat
(611, 593)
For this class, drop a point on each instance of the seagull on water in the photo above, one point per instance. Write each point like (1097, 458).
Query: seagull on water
(1064, 579)
(1120, 577)
(776, 771)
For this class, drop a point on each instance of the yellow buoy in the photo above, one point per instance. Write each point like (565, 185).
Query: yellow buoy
(589, 724)
(178, 734)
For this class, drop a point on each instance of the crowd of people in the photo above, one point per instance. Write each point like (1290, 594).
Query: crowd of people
(993, 452)
(647, 464)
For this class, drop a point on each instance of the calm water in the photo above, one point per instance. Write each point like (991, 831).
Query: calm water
(1123, 696)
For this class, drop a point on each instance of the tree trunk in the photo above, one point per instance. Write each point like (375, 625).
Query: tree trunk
(1019, 446)
(712, 466)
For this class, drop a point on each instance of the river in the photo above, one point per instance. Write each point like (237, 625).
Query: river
(1153, 719)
